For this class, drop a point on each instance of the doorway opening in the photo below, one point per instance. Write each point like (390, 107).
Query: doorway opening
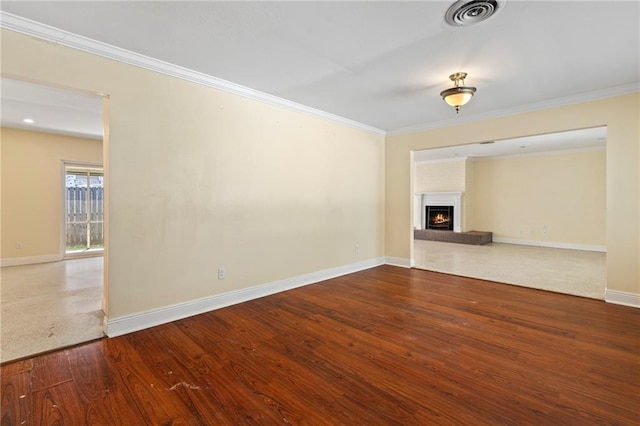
(532, 193)
(54, 290)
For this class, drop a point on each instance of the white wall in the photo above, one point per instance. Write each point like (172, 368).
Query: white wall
(445, 176)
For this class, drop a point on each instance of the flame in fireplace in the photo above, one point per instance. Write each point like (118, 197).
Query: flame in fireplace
(440, 219)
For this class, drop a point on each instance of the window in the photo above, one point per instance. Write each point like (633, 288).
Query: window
(84, 198)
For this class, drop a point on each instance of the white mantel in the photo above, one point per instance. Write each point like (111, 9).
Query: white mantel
(425, 199)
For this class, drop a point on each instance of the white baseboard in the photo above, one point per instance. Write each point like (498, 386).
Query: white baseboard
(139, 321)
(551, 244)
(18, 261)
(399, 261)
(622, 298)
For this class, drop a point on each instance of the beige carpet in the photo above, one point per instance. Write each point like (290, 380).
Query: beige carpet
(576, 272)
(49, 305)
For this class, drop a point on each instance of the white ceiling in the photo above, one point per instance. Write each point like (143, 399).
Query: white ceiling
(52, 110)
(378, 63)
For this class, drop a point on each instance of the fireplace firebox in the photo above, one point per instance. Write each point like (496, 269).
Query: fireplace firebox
(439, 217)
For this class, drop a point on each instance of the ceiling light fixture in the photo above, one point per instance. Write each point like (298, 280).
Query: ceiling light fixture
(28, 120)
(459, 94)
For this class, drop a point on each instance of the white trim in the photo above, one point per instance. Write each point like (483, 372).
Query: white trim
(85, 44)
(622, 298)
(541, 153)
(84, 254)
(537, 106)
(18, 261)
(551, 244)
(63, 208)
(399, 261)
(442, 160)
(141, 320)
(31, 128)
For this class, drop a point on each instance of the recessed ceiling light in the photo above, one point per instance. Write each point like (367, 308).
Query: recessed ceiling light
(28, 120)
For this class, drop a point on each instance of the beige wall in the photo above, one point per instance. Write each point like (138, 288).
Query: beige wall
(619, 114)
(198, 178)
(32, 179)
(563, 192)
(268, 193)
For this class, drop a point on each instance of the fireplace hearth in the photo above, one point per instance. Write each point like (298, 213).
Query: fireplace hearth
(439, 218)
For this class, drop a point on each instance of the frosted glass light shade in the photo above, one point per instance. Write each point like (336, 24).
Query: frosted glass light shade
(458, 96)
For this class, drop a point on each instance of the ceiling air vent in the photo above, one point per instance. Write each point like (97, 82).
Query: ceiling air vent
(468, 12)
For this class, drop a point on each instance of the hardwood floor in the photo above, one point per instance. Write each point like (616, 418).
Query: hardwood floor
(382, 346)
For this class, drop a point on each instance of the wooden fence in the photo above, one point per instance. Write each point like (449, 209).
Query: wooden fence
(78, 208)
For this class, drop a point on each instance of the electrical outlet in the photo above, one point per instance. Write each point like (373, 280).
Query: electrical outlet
(544, 229)
(356, 249)
(221, 273)
(18, 244)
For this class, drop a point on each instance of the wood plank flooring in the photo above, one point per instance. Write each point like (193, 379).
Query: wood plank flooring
(380, 347)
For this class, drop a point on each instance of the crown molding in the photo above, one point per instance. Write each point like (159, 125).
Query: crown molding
(519, 155)
(540, 153)
(554, 103)
(85, 44)
(35, 129)
(444, 160)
